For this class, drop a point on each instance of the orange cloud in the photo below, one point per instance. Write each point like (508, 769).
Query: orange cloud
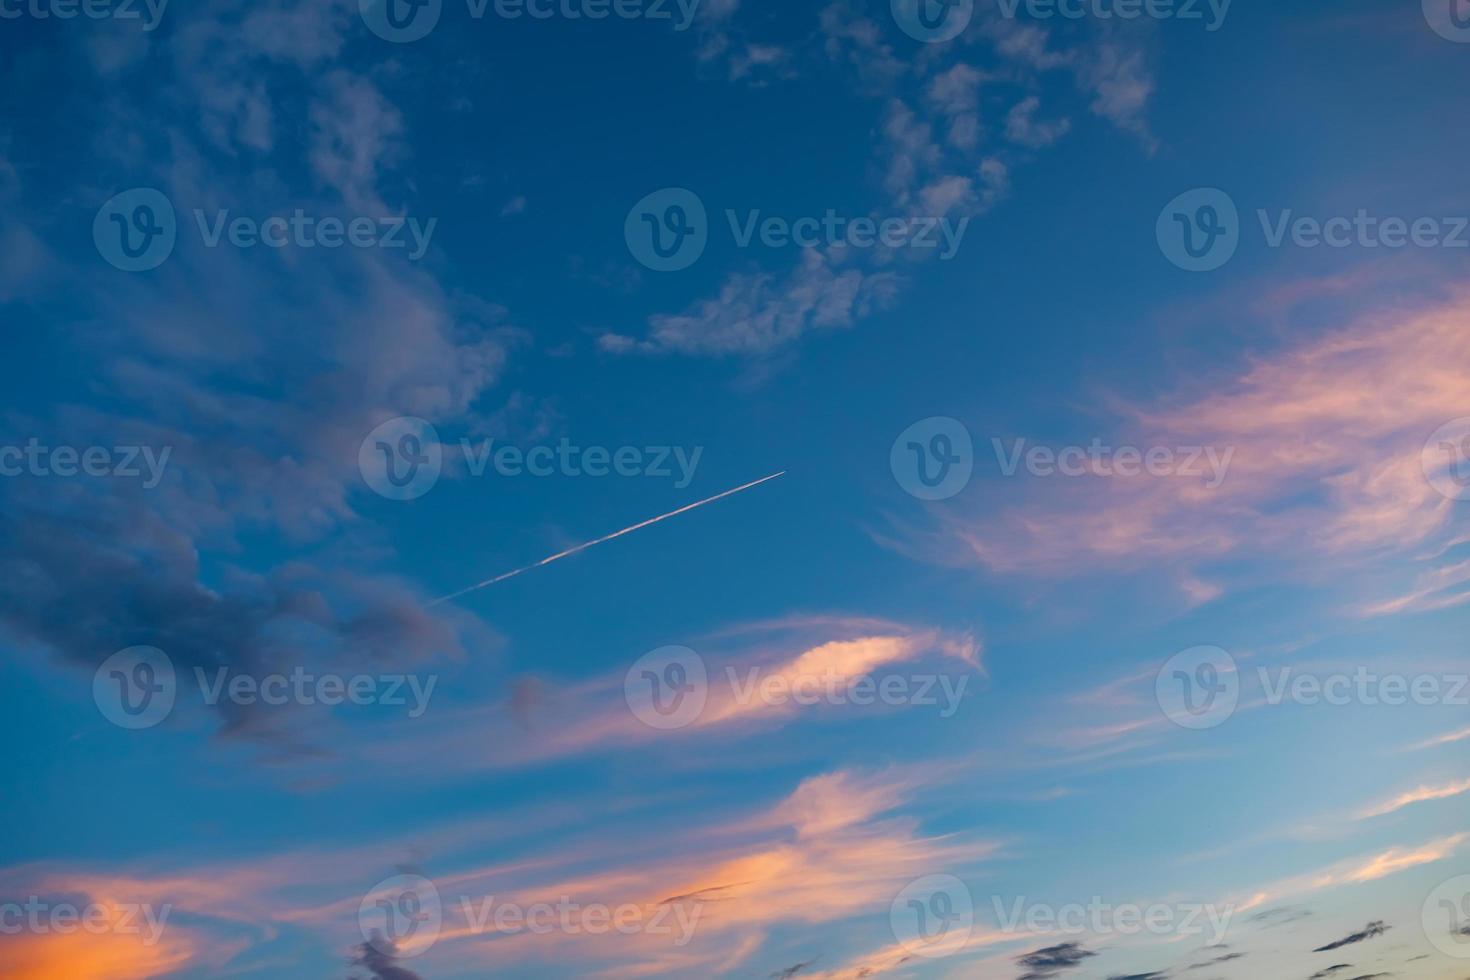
(87, 956)
(1420, 795)
(1327, 439)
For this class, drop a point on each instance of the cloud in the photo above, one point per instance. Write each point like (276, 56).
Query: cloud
(592, 717)
(1353, 871)
(1053, 960)
(1024, 128)
(836, 846)
(354, 133)
(1419, 795)
(1371, 931)
(1319, 466)
(380, 959)
(83, 955)
(757, 313)
(1446, 739)
(955, 93)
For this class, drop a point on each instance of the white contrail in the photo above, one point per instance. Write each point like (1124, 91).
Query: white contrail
(606, 537)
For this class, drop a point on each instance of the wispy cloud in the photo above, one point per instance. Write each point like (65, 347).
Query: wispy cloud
(1419, 795)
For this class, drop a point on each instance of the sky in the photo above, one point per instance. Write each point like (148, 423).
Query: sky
(822, 490)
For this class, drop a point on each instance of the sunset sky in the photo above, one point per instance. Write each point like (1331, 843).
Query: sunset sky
(1114, 559)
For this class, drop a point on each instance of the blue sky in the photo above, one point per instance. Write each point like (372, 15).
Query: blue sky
(1103, 680)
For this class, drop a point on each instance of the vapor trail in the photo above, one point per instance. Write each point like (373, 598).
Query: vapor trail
(607, 537)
